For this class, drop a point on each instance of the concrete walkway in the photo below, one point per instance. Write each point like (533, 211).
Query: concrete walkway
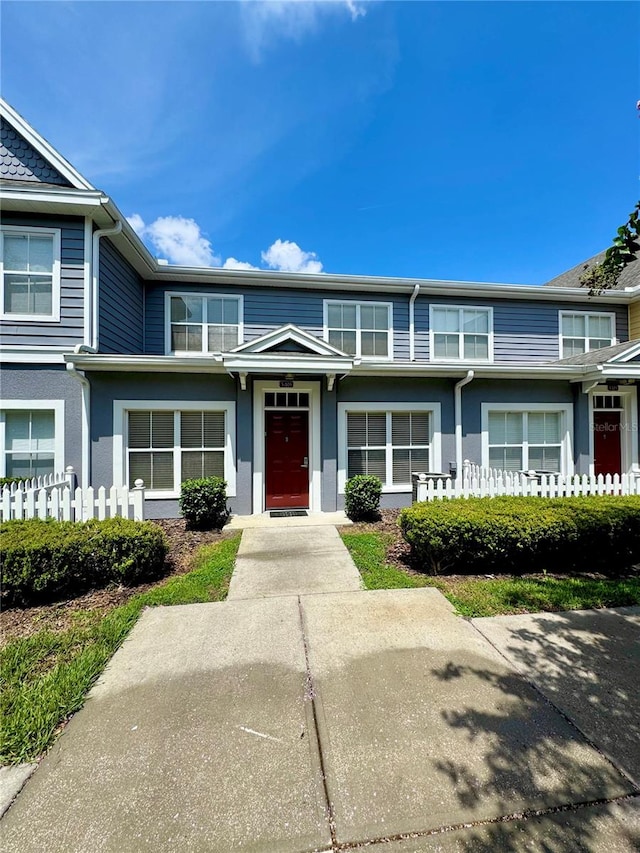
(292, 561)
(333, 720)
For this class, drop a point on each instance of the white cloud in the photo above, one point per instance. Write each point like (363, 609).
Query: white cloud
(178, 239)
(289, 257)
(290, 19)
(233, 264)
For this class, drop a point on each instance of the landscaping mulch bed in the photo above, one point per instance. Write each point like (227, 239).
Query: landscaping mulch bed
(398, 554)
(18, 622)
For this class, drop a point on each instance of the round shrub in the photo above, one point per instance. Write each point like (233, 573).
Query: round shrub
(362, 497)
(203, 503)
(45, 560)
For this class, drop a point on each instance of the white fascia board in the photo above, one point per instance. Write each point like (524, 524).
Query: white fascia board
(40, 144)
(631, 352)
(14, 196)
(378, 284)
(459, 371)
(620, 371)
(276, 363)
(146, 363)
(31, 355)
(290, 333)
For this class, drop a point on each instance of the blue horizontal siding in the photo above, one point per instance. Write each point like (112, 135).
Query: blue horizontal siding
(266, 309)
(121, 306)
(522, 331)
(69, 331)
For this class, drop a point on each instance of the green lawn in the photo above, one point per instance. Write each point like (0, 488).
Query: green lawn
(480, 597)
(44, 678)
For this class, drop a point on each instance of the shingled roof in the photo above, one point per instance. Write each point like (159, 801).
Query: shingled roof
(629, 277)
(599, 356)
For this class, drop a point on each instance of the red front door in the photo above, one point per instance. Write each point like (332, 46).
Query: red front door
(607, 447)
(287, 459)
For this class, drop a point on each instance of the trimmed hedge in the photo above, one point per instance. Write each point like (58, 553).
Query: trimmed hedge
(519, 535)
(362, 497)
(44, 560)
(9, 481)
(203, 503)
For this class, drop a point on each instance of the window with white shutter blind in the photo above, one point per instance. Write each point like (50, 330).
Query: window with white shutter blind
(389, 445)
(164, 448)
(29, 439)
(523, 441)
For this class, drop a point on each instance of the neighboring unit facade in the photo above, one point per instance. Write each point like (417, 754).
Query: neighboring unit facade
(284, 384)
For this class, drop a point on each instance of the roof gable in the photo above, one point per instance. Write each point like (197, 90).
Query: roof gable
(287, 339)
(27, 156)
(628, 351)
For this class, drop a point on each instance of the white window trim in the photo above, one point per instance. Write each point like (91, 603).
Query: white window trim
(358, 302)
(122, 407)
(629, 440)
(260, 387)
(54, 317)
(561, 314)
(198, 295)
(435, 445)
(432, 333)
(566, 426)
(57, 406)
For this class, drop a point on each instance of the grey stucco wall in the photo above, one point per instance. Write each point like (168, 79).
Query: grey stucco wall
(31, 382)
(69, 330)
(410, 390)
(107, 387)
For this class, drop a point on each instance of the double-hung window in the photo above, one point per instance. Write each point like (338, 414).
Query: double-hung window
(389, 444)
(362, 329)
(582, 332)
(527, 440)
(200, 323)
(164, 444)
(32, 439)
(461, 334)
(30, 273)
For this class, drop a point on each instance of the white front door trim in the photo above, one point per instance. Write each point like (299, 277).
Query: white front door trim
(629, 425)
(260, 386)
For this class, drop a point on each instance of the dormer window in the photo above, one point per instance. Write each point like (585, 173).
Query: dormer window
(30, 274)
(198, 323)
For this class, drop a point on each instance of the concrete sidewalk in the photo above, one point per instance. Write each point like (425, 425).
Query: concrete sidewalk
(337, 719)
(292, 561)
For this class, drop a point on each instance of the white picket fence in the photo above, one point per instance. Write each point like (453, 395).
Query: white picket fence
(54, 496)
(490, 482)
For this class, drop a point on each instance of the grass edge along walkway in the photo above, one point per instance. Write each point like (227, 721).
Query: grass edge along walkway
(44, 678)
(491, 597)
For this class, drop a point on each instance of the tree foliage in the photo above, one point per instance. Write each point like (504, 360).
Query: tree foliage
(626, 244)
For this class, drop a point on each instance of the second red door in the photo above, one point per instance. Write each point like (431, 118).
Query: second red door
(287, 459)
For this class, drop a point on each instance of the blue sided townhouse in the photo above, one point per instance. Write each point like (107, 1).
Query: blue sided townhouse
(285, 384)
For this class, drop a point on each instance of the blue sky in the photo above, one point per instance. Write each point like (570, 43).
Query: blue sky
(485, 141)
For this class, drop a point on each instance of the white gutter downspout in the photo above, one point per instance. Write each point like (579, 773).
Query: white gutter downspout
(412, 328)
(86, 398)
(457, 407)
(104, 232)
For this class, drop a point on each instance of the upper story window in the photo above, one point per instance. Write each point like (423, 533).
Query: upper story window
(362, 329)
(199, 323)
(461, 334)
(30, 273)
(582, 332)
